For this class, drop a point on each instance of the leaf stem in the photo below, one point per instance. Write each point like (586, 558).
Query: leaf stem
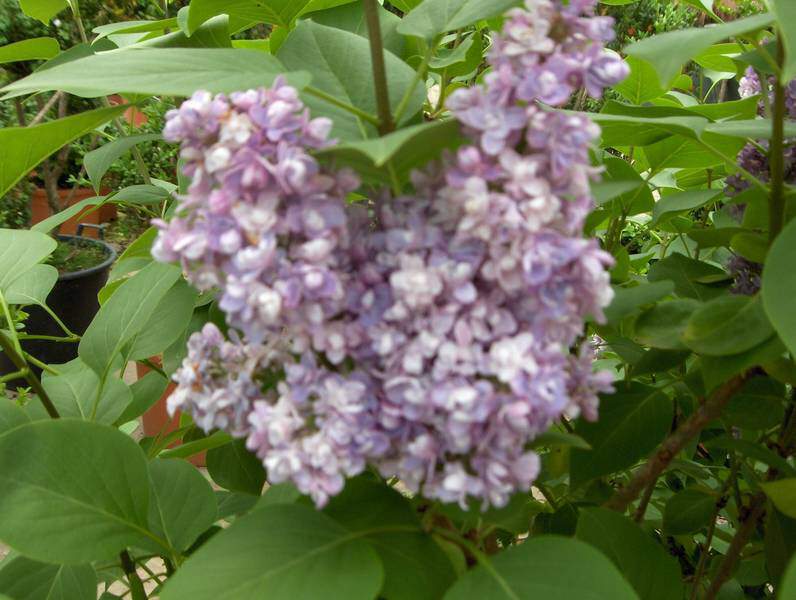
(776, 158)
(672, 445)
(386, 123)
(49, 338)
(20, 363)
(420, 74)
(137, 591)
(313, 91)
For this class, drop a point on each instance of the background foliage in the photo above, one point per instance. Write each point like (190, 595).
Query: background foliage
(684, 488)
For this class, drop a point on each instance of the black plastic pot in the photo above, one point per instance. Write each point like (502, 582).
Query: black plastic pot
(74, 300)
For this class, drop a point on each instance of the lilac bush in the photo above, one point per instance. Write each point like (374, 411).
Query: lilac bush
(432, 335)
(753, 158)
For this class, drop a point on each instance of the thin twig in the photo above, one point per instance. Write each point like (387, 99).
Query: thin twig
(721, 502)
(638, 517)
(757, 509)
(19, 362)
(672, 445)
(45, 109)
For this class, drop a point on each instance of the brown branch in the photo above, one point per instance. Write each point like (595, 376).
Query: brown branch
(638, 517)
(20, 111)
(672, 445)
(45, 108)
(757, 509)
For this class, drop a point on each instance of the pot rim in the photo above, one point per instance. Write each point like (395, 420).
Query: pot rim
(91, 270)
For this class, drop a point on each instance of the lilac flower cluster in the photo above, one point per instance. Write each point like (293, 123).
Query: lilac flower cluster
(753, 159)
(429, 334)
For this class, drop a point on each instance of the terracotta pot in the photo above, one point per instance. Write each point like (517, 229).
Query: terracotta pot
(40, 210)
(156, 420)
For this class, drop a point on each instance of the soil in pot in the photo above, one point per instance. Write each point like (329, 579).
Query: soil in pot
(83, 266)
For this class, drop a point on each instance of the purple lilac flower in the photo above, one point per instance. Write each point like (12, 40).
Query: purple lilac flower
(431, 337)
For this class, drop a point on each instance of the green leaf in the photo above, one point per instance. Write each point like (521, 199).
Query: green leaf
(435, 17)
(758, 405)
(638, 199)
(461, 60)
(97, 162)
(34, 287)
(277, 12)
(785, 12)
(408, 550)
(605, 191)
(780, 542)
(632, 422)
(783, 494)
(146, 391)
(75, 391)
(401, 151)
(30, 49)
(718, 369)
(788, 584)
(748, 449)
(11, 416)
(188, 449)
(140, 194)
(20, 251)
(642, 83)
(688, 276)
(653, 573)
(717, 57)
(232, 504)
(43, 10)
(182, 504)
(704, 5)
(280, 552)
(542, 567)
(624, 125)
(733, 110)
(662, 326)
(629, 299)
(350, 17)
(125, 314)
(668, 52)
(157, 71)
(339, 62)
(134, 27)
(59, 218)
(73, 491)
(236, 469)
(779, 285)
(727, 325)
(680, 203)
(752, 246)
(167, 322)
(215, 33)
(688, 511)
(559, 438)
(659, 361)
(752, 128)
(22, 148)
(22, 578)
